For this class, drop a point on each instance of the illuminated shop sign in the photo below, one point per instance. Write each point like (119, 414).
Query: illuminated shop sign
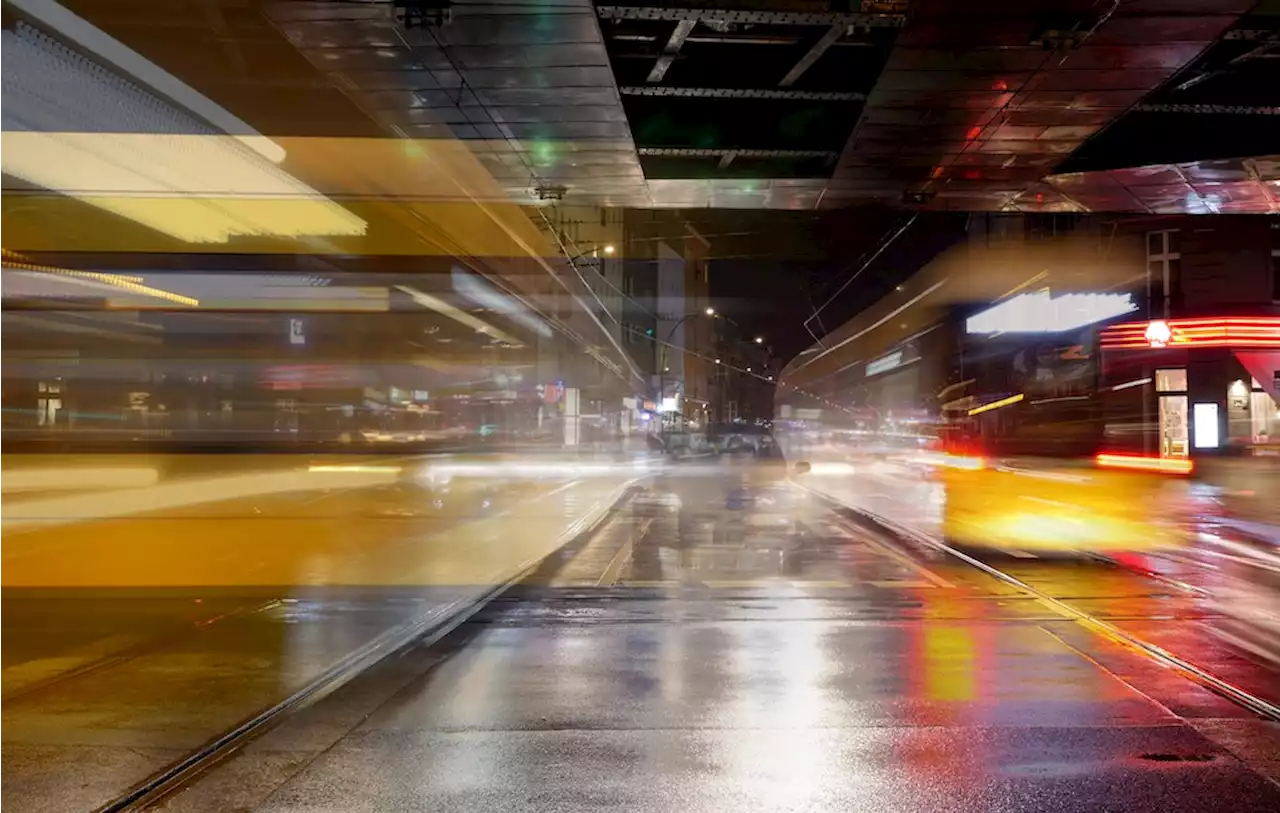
(1222, 331)
(1040, 312)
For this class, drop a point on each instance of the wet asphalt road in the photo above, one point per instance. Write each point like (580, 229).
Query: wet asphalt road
(728, 642)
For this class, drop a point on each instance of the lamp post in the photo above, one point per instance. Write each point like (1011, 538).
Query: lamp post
(662, 362)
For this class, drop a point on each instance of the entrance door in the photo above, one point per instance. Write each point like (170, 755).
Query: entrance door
(1173, 426)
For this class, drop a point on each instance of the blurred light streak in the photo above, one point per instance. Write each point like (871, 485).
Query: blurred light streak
(1251, 556)
(964, 462)
(444, 472)
(458, 315)
(127, 283)
(1137, 382)
(486, 296)
(1057, 477)
(886, 318)
(839, 469)
(1172, 465)
(1024, 284)
(357, 468)
(1003, 402)
(77, 478)
(959, 384)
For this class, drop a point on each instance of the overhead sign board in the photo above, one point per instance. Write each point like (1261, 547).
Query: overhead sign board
(885, 363)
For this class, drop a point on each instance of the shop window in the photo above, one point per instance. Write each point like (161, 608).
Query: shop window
(1164, 269)
(1171, 380)
(1264, 415)
(1171, 384)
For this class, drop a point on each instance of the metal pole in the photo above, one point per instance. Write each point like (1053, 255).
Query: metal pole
(662, 366)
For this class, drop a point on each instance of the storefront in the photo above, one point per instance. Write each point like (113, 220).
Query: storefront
(1190, 387)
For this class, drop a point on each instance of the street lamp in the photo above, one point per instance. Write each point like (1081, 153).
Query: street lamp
(662, 361)
(759, 339)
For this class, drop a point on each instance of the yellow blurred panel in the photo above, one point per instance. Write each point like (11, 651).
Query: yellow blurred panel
(329, 196)
(949, 664)
(361, 537)
(1068, 508)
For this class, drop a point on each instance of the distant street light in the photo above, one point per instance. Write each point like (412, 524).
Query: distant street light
(759, 339)
(662, 360)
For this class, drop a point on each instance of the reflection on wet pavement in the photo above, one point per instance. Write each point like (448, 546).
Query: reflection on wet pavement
(729, 640)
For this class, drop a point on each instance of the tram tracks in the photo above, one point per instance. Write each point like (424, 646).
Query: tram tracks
(130, 648)
(1261, 706)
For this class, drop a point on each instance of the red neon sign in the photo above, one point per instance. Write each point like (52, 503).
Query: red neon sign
(1222, 331)
(1158, 333)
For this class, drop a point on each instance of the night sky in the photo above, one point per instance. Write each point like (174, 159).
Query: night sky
(774, 296)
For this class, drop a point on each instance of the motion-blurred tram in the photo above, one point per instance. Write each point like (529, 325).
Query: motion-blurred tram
(1034, 401)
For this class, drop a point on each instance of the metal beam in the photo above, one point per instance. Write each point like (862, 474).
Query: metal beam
(1265, 34)
(1266, 49)
(683, 29)
(815, 53)
(1210, 109)
(750, 17)
(743, 93)
(721, 152)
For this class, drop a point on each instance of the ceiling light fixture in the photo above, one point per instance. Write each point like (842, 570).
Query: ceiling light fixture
(75, 128)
